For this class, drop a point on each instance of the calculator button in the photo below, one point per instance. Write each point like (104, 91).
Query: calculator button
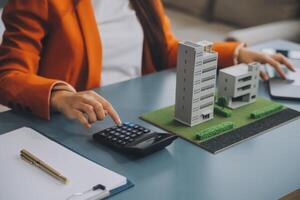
(122, 136)
(119, 141)
(134, 131)
(127, 138)
(103, 134)
(116, 134)
(140, 133)
(146, 131)
(133, 135)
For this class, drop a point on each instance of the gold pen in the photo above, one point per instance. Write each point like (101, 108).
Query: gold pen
(32, 159)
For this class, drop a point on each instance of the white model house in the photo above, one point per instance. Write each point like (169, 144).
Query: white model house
(239, 84)
(196, 82)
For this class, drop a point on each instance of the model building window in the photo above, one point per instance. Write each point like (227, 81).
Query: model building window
(248, 78)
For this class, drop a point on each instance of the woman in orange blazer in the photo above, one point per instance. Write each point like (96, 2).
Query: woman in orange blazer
(51, 56)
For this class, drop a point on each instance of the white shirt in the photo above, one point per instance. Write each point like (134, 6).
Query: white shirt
(122, 40)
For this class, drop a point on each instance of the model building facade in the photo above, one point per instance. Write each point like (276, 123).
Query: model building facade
(196, 82)
(239, 84)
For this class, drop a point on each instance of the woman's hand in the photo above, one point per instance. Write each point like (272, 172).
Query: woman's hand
(248, 56)
(87, 107)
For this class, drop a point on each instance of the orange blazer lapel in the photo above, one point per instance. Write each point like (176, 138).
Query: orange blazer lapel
(92, 41)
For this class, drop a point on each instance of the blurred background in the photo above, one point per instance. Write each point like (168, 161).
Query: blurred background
(253, 21)
(250, 21)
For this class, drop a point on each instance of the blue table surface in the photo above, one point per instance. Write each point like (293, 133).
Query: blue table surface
(265, 167)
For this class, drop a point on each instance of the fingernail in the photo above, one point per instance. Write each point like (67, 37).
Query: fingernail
(119, 122)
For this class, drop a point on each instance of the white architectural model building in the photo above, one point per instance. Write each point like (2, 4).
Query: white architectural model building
(196, 82)
(239, 84)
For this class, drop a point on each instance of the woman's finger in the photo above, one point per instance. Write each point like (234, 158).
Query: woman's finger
(113, 113)
(264, 75)
(274, 64)
(88, 110)
(109, 108)
(98, 108)
(82, 119)
(283, 60)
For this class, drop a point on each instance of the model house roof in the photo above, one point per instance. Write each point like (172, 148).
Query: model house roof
(237, 70)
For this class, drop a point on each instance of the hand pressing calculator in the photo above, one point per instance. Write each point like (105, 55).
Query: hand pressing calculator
(134, 139)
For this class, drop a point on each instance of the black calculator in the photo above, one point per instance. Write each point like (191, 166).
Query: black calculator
(134, 139)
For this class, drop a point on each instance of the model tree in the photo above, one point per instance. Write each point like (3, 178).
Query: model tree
(222, 101)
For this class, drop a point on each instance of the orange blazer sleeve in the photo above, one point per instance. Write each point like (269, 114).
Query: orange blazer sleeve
(171, 40)
(20, 51)
(226, 50)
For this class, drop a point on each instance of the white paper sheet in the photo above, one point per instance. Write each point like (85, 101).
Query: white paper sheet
(20, 180)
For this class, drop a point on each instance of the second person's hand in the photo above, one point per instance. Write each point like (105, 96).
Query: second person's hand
(247, 56)
(86, 107)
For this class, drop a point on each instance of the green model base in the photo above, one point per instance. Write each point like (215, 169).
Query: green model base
(164, 118)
